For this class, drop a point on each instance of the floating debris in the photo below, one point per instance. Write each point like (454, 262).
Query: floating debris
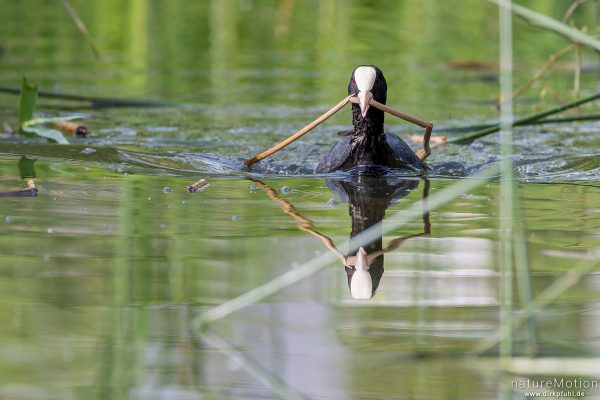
(167, 189)
(6, 129)
(235, 217)
(31, 191)
(50, 231)
(332, 203)
(88, 150)
(252, 188)
(197, 186)
(78, 130)
(8, 219)
(285, 189)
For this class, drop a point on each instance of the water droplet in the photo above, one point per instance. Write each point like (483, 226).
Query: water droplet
(285, 189)
(8, 219)
(235, 217)
(87, 150)
(167, 189)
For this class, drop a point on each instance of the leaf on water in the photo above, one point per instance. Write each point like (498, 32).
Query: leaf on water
(27, 101)
(48, 133)
(31, 125)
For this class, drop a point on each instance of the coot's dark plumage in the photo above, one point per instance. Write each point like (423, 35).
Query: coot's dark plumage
(368, 145)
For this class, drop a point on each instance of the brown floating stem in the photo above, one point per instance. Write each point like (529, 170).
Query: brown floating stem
(196, 186)
(527, 119)
(31, 191)
(298, 134)
(71, 127)
(426, 151)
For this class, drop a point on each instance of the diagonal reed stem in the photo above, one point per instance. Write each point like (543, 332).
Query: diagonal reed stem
(252, 368)
(549, 23)
(527, 119)
(550, 294)
(82, 28)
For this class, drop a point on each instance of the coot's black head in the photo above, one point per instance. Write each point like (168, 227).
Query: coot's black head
(366, 82)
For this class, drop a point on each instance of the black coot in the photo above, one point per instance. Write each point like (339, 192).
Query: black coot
(368, 145)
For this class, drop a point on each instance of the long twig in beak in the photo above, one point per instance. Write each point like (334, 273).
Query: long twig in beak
(426, 151)
(298, 134)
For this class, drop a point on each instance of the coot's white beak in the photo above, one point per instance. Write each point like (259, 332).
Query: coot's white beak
(361, 285)
(363, 102)
(365, 79)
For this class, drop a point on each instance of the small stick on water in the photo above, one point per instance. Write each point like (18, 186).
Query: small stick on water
(434, 141)
(298, 134)
(423, 153)
(196, 186)
(31, 191)
(71, 127)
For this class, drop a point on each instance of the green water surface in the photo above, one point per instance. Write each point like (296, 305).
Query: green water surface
(104, 274)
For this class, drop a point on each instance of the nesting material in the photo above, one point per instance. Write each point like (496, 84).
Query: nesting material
(197, 186)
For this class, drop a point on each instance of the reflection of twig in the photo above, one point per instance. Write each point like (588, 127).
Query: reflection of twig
(303, 223)
(306, 225)
(318, 263)
(395, 243)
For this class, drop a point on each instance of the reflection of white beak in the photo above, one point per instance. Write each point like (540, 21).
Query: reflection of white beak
(361, 286)
(363, 102)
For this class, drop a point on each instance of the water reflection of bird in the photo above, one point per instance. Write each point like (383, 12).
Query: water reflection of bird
(367, 144)
(368, 198)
